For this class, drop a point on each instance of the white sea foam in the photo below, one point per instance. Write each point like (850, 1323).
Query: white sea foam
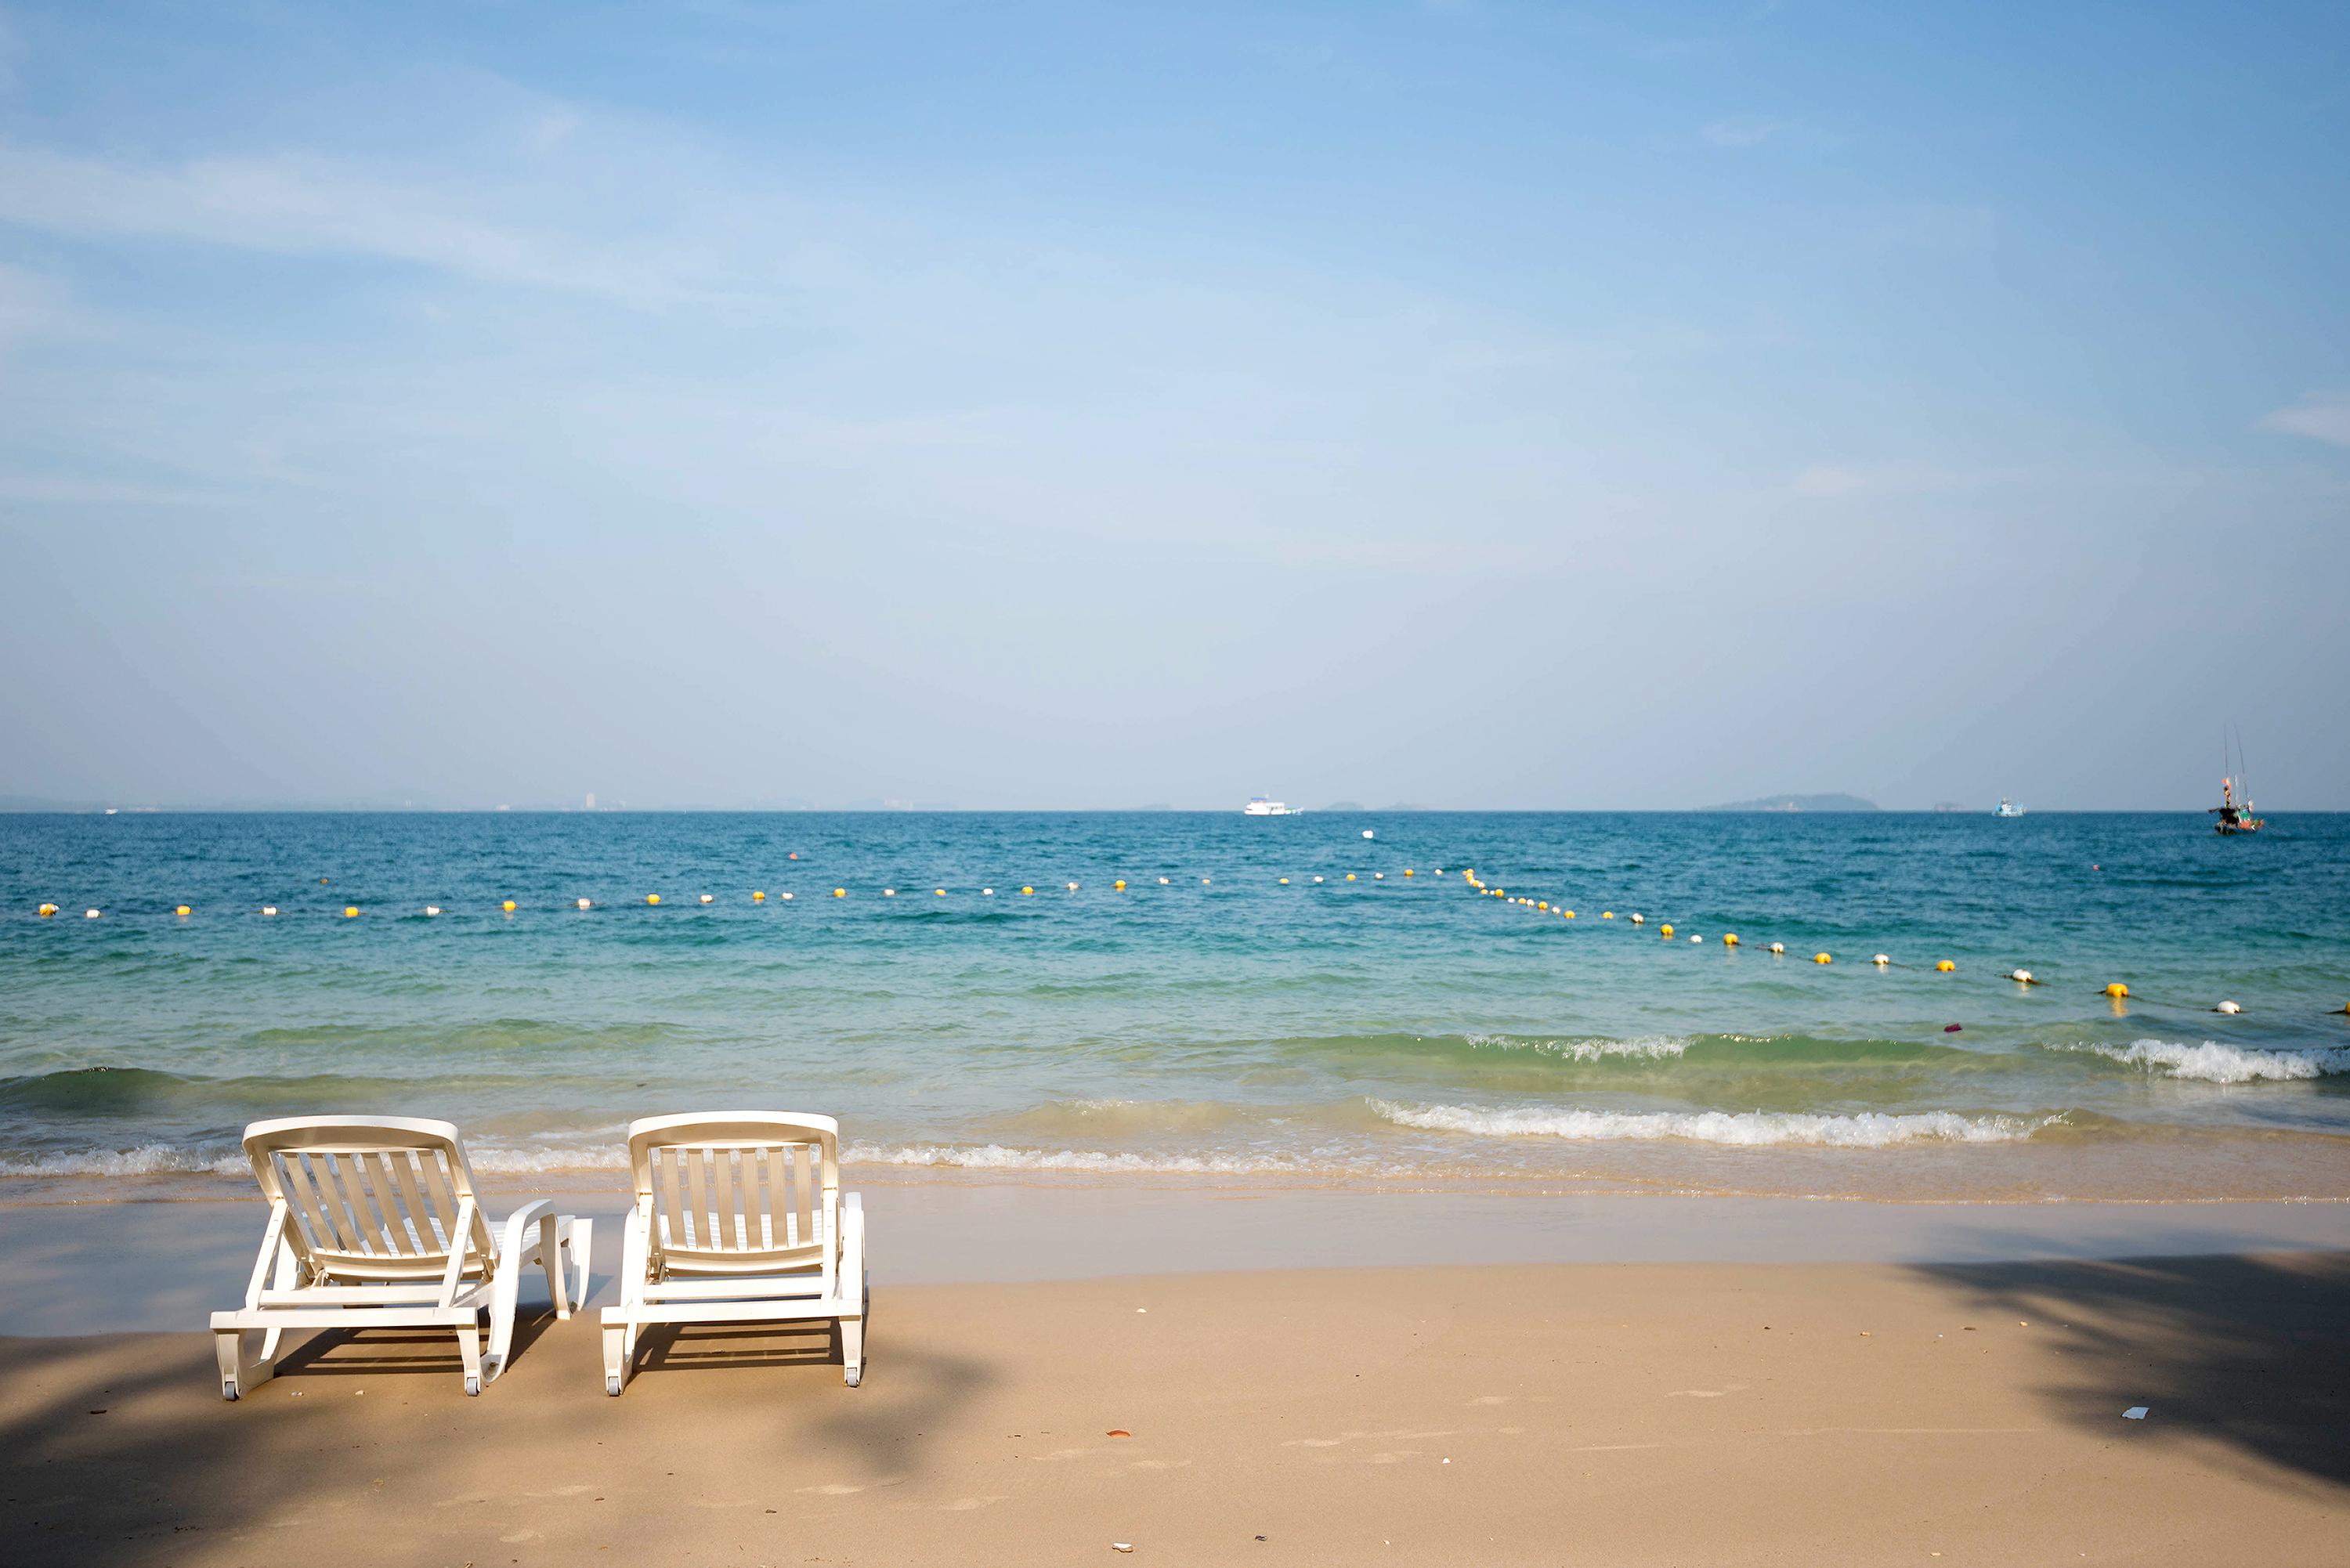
(148, 1160)
(1652, 1048)
(1869, 1129)
(997, 1157)
(2213, 1063)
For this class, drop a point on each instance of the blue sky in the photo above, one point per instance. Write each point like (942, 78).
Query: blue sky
(1472, 404)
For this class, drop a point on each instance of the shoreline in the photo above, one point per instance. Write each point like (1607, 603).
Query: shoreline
(133, 1266)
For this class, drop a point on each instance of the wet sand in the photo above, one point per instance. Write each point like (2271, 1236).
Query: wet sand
(1471, 1414)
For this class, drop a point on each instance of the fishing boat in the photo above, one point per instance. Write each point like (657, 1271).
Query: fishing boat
(2007, 808)
(2235, 816)
(1261, 806)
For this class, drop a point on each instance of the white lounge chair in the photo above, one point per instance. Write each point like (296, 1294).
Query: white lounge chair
(373, 1223)
(739, 1217)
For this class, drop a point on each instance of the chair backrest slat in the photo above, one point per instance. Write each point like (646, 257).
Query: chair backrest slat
(400, 1175)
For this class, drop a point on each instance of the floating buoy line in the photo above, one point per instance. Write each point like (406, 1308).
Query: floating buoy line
(2117, 992)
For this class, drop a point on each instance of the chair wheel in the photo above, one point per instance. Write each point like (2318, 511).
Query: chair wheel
(228, 1392)
(472, 1387)
(612, 1387)
(854, 1376)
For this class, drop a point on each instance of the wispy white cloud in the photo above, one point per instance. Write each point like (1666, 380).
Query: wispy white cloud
(30, 304)
(2319, 417)
(1750, 131)
(299, 204)
(1947, 227)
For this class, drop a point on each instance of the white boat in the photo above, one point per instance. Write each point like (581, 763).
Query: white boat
(2007, 808)
(1260, 807)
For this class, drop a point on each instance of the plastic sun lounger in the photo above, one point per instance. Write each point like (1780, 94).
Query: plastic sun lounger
(739, 1217)
(373, 1223)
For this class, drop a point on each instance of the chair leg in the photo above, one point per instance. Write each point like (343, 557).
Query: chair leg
(852, 1350)
(618, 1350)
(503, 1295)
(240, 1374)
(469, 1348)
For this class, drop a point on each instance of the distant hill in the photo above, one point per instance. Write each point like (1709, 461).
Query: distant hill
(1800, 802)
(1343, 805)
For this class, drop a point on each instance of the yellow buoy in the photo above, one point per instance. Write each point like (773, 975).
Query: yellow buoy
(757, 897)
(1944, 966)
(1284, 881)
(653, 898)
(2117, 989)
(1568, 913)
(180, 910)
(1120, 885)
(1730, 939)
(942, 892)
(1545, 904)
(1607, 914)
(840, 892)
(1027, 892)
(508, 906)
(1665, 930)
(1820, 958)
(350, 911)
(1407, 871)
(48, 909)
(1350, 876)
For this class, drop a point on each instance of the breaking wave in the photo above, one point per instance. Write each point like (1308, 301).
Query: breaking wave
(1745, 1128)
(2213, 1063)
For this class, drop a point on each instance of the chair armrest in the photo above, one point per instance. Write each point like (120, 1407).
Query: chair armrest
(852, 1243)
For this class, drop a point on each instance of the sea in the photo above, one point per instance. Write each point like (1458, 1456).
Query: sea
(1504, 1002)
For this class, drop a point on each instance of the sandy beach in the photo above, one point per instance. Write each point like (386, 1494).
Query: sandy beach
(1469, 1413)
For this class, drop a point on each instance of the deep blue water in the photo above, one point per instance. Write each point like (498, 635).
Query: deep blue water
(1390, 1027)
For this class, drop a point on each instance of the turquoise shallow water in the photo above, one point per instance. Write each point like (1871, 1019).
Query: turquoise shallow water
(1221, 1025)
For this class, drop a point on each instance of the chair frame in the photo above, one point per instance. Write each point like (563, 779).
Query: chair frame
(374, 1224)
(725, 1250)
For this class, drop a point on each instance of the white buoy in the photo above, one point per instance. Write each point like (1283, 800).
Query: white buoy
(889, 892)
(584, 904)
(708, 899)
(1163, 881)
(1378, 876)
(89, 914)
(787, 895)
(1317, 879)
(1778, 947)
(2227, 1007)
(1073, 886)
(1697, 938)
(1369, 834)
(983, 892)
(1637, 920)
(2024, 975)
(432, 908)
(268, 909)
(1880, 961)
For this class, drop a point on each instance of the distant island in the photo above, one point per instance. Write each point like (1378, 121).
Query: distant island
(1800, 802)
